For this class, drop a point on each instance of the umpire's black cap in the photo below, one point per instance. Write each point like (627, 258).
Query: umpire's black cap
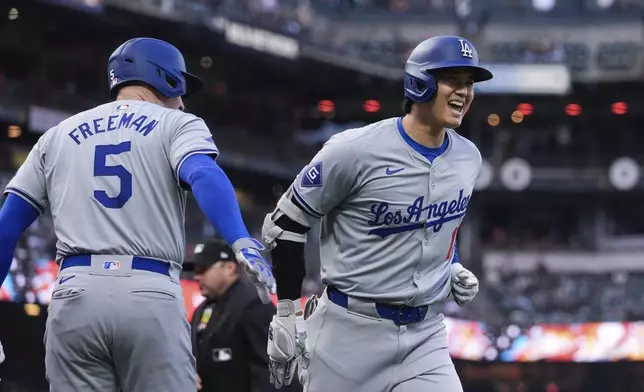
(210, 252)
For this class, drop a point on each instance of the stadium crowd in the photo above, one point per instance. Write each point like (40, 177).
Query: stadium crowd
(545, 297)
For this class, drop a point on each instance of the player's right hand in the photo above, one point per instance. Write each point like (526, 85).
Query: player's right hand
(248, 253)
(286, 345)
(465, 284)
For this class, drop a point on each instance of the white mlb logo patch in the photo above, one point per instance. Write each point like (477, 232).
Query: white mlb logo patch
(112, 265)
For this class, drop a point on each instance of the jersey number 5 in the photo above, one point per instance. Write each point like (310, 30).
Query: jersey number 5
(102, 170)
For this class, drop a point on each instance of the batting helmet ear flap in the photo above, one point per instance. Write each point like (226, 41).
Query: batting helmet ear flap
(420, 90)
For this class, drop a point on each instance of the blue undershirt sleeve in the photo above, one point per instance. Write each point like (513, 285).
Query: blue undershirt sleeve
(455, 259)
(215, 195)
(15, 216)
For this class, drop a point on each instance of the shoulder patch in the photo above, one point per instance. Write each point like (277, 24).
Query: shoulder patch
(312, 176)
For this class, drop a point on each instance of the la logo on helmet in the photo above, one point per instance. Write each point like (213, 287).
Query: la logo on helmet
(466, 51)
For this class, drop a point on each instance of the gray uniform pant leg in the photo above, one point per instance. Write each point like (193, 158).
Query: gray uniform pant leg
(428, 366)
(77, 339)
(352, 352)
(152, 349)
(116, 333)
(348, 352)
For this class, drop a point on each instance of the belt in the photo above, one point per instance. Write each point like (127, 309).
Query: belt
(138, 263)
(400, 315)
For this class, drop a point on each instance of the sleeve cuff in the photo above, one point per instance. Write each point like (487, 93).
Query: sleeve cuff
(307, 207)
(26, 197)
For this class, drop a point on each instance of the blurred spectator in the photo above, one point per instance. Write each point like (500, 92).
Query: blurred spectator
(544, 51)
(547, 298)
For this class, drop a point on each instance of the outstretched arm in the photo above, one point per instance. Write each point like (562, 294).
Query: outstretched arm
(216, 198)
(215, 195)
(15, 216)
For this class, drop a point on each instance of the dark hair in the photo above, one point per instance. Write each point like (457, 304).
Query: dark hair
(407, 104)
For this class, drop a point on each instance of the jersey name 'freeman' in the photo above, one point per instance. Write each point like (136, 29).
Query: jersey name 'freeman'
(142, 124)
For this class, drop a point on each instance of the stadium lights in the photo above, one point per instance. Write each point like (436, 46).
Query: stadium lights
(544, 5)
(326, 106)
(525, 108)
(32, 310)
(603, 4)
(206, 62)
(517, 116)
(13, 14)
(371, 106)
(573, 109)
(14, 131)
(619, 108)
(493, 120)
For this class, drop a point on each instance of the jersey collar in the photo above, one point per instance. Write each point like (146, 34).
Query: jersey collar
(417, 149)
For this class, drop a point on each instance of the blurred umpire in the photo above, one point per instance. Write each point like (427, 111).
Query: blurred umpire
(230, 327)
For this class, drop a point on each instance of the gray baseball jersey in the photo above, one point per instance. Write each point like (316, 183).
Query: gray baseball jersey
(110, 178)
(389, 217)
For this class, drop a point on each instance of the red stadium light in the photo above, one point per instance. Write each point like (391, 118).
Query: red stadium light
(525, 108)
(619, 108)
(326, 106)
(573, 109)
(371, 106)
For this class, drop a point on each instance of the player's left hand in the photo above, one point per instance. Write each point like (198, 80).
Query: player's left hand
(465, 285)
(248, 253)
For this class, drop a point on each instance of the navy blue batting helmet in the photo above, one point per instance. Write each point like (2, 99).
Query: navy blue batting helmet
(153, 62)
(440, 52)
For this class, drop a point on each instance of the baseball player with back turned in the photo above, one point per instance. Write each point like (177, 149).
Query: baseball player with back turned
(115, 179)
(391, 197)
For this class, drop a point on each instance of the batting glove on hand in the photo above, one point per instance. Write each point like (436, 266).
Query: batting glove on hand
(286, 342)
(248, 253)
(465, 285)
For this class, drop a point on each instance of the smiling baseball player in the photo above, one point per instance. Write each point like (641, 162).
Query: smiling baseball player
(391, 197)
(115, 179)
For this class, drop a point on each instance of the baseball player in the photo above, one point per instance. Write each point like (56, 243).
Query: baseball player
(115, 179)
(391, 197)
